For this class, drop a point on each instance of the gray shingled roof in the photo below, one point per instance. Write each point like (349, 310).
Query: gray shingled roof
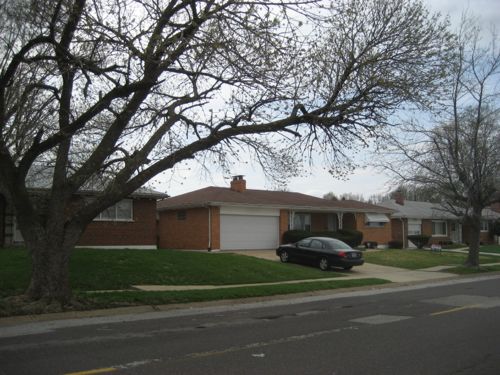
(427, 210)
(42, 180)
(217, 196)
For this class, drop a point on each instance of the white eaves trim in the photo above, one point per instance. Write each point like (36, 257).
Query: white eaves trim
(293, 208)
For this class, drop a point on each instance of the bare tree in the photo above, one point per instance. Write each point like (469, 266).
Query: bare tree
(330, 196)
(459, 158)
(121, 90)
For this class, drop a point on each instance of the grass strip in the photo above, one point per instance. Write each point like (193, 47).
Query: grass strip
(418, 259)
(127, 298)
(462, 270)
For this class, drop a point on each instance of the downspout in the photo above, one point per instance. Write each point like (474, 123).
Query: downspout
(209, 228)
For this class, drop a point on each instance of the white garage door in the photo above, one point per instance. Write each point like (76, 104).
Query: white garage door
(248, 232)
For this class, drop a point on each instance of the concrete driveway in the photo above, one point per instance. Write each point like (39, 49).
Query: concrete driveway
(367, 270)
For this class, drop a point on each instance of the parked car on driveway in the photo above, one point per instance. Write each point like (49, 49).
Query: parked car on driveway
(323, 252)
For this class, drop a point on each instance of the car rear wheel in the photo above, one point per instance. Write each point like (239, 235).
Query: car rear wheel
(324, 265)
(284, 256)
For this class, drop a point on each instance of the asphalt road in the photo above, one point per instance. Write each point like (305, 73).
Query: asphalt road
(448, 327)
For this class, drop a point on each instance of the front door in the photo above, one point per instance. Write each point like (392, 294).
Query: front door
(456, 232)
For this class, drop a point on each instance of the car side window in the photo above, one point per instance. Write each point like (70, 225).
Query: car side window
(316, 244)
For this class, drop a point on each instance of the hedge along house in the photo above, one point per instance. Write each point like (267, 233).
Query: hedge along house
(131, 223)
(416, 217)
(239, 218)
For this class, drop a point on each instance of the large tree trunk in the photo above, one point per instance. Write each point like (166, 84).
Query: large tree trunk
(50, 269)
(50, 273)
(474, 223)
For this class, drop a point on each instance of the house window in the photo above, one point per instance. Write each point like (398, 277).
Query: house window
(181, 215)
(374, 224)
(484, 226)
(375, 220)
(302, 222)
(439, 228)
(414, 227)
(121, 211)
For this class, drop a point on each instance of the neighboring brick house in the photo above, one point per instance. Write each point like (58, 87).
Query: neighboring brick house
(240, 218)
(415, 217)
(131, 223)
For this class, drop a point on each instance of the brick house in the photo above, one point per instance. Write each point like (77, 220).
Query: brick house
(131, 223)
(416, 217)
(240, 218)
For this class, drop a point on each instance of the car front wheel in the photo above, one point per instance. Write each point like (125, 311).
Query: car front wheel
(284, 257)
(324, 265)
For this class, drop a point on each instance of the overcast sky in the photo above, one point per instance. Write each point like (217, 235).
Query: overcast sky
(363, 180)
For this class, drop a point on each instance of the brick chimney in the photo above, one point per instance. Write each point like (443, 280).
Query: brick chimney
(399, 198)
(238, 184)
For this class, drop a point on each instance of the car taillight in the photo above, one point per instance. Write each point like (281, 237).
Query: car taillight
(342, 254)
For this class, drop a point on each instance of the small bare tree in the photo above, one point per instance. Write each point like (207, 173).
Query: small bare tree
(122, 90)
(459, 157)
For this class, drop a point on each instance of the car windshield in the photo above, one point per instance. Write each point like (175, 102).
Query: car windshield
(334, 244)
(304, 243)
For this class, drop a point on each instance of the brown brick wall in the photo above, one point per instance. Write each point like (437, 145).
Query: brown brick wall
(349, 221)
(141, 231)
(215, 223)
(397, 230)
(484, 237)
(381, 235)
(191, 233)
(284, 215)
(427, 227)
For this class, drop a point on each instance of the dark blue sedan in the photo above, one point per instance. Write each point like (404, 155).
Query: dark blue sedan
(323, 252)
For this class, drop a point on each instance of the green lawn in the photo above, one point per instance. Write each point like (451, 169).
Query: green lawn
(490, 249)
(96, 275)
(418, 259)
(93, 269)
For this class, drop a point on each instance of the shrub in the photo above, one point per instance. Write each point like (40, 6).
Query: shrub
(395, 244)
(420, 240)
(292, 236)
(351, 237)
